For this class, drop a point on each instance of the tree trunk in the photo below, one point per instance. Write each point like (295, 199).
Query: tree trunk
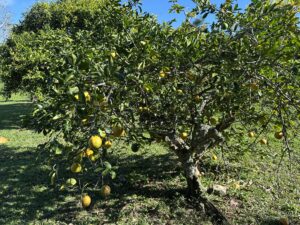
(192, 176)
(195, 189)
(204, 137)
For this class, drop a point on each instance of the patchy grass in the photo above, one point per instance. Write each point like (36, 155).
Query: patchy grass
(150, 186)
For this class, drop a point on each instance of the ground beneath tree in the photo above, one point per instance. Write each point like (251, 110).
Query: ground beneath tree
(149, 188)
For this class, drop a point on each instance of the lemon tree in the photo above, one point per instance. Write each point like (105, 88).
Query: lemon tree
(104, 70)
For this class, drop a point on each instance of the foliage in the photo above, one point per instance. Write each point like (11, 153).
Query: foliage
(110, 70)
(143, 192)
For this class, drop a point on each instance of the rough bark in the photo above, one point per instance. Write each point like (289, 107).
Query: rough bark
(195, 189)
(204, 137)
(192, 176)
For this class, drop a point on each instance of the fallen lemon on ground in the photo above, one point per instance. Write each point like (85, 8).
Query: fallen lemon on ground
(251, 134)
(76, 168)
(263, 141)
(3, 140)
(86, 201)
(278, 135)
(95, 142)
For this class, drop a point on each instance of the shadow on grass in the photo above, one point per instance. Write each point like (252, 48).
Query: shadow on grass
(144, 178)
(23, 189)
(26, 196)
(10, 114)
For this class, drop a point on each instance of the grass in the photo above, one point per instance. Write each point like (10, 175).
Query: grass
(149, 188)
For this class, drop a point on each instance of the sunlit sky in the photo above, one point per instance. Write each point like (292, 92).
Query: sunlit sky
(159, 8)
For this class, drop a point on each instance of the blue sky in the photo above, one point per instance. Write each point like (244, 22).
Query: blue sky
(158, 7)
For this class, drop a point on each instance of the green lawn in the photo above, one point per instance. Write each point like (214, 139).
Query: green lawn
(149, 188)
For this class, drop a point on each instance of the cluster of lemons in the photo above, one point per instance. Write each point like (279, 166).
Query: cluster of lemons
(278, 135)
(86, 199)
(95, 143)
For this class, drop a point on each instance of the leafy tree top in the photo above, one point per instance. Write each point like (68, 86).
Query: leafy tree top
(107, 68)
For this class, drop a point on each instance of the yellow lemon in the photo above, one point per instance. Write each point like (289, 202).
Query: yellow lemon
(263, 141)
(86, 201)
(118, 131)
(184, 135)
(278, 135)
(214, 157)
(87, 96)
(95, 142)
(76, 168)
(251, 134)
(162, 74)
(113, 54)
(105, 191)
(93, 158)
(89, 152)
(108, 144)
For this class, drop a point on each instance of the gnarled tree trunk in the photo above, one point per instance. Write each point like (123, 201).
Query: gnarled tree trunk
(204, 137)
(192, 175)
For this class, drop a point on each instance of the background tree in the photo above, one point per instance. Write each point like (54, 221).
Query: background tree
(4, 22)
(112, 71)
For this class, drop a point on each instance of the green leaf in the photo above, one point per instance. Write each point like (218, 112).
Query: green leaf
(102, 133)
(105, 172)
(71, 182)
(113, 174)
(107, 165)
(146, 134)
(58, 151)
(57, 117)
(53, 178)
(84, 65)
(73, 90)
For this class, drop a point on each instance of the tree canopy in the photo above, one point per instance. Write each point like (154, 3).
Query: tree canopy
(106, 68)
